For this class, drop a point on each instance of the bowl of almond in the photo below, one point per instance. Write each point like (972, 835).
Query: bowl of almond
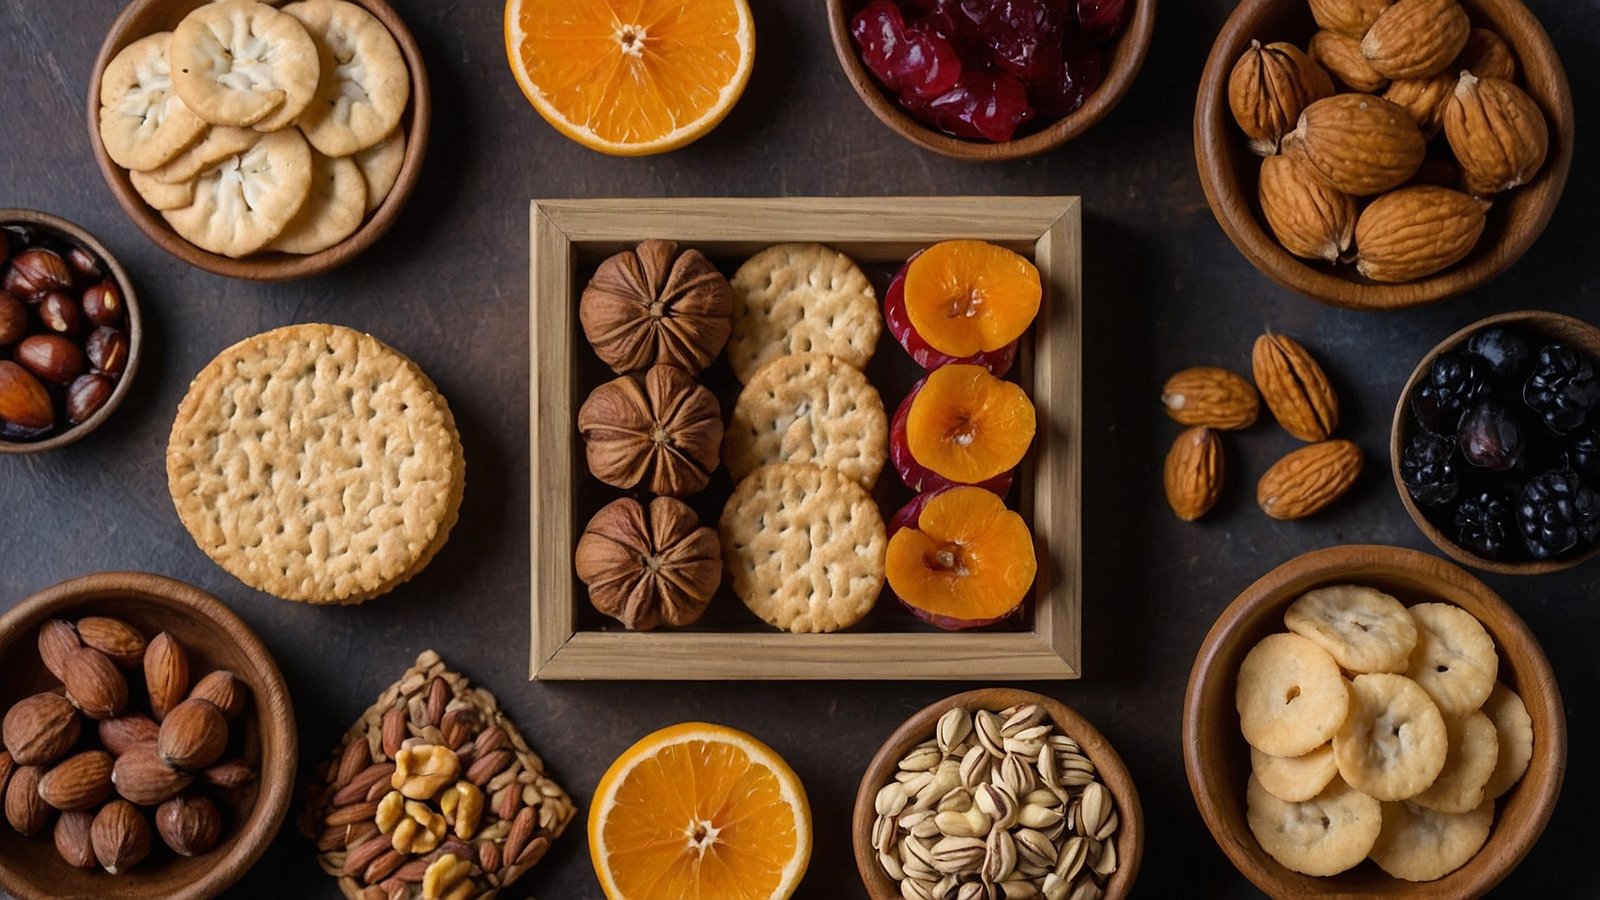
(1373, 154)
(149, 744)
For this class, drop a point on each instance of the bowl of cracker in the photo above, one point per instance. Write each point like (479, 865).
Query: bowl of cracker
(257, 141)
(1373, 721)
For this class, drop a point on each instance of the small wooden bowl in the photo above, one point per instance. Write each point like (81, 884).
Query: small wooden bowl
(214, 638)
(145, 17)
(913, 731)
(1228, 170)
(1217, 759)
(1122, 60)
(74, 234)
(1545, 325)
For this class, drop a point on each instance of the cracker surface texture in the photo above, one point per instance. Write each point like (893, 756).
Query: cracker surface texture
(801, 298)
(365, 84)
(143, 121)
(808, 408)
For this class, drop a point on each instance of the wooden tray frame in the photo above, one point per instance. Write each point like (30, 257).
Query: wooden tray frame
(565, 233)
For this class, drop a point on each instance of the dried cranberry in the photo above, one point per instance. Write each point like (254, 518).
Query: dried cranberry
(1102, 18)
(982, 105)
(910, 60)
(1074, 80)
(1023, 36)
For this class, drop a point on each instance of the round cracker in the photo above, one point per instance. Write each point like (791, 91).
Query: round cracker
(243, 202)
(243, 63)
(1455, 660)
(1419, 844)
(1295, 779)
(365, 84)
(159, 194)
(1514, 735)
(808, 408)
(1363, 629)
(1290, 696)
(334, 210)
(1326, 835)
(1474, 749)
(1394, 742)
(218, 143)
(143, 121)
(804, 547)
(380, 166)
(801, 298)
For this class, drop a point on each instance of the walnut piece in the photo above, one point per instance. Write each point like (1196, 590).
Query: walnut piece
(644, 570)
(664, 435)
(654, 305)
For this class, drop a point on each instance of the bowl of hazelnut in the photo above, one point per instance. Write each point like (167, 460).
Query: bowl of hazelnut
(149, 742)
(70, 332)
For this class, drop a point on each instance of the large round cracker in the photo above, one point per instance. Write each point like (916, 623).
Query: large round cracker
(808, 408)
(365, 84)
(1295, 779)
(334, 210)
(1474, 750)
(801, 298)
(1455, 660)
(244, 63)
(380, 165)
(1419, 844)
(1394, 742)
(143, 121)
(1364, 629)
(243, 202)
(1325, 835)
(1514, 733)
(1290, 696)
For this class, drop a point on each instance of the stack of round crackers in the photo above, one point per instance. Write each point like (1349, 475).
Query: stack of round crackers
(256, 129)
(1377, 731)
(802, 538)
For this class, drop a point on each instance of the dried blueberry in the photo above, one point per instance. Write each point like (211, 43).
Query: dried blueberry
(1490, 437)
(1452, 384)
(1557, 512)
(1486, 524)
(1563, 388)
(1428, 468)
(1505, 354)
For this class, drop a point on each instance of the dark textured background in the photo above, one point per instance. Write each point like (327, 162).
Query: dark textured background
(1164, 289)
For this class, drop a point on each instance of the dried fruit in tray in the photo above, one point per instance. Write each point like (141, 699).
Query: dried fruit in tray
(963, 301)
(959, 559)
(961, 425)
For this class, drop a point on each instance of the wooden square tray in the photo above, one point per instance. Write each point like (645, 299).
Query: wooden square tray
(571, 641)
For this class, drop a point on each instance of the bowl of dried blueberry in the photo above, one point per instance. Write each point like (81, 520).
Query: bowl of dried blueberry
(991, 79)
(1496, 443)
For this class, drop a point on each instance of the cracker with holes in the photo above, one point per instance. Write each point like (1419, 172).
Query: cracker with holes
(804, 547)
(1363, 629)
(1514, 735)
(244, 201)
(244, 63)
(1290, 696)
(1455, 660)
(333, 210)
(1419, 844)
(801, 298)
(1295, 779)
(1469, 761)
(380, 167)
(317, 464)
(1394, 743)
(808, 408)
(143, 121)
(1326, 835)
(365, 84)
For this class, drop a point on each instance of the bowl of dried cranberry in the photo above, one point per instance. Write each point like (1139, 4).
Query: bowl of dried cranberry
(991, 79)
(1495, 447)
(70, 332)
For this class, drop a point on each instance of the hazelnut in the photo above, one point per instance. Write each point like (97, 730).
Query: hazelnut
(40, 729)
(34, 272)
(121, 836)
(60, 314)
(193, 735)
(189, 823)
(23, 400)
(51, 357)
(85, 396)
(84, 265)
(102, 303)
(13, 320)
(108, 350)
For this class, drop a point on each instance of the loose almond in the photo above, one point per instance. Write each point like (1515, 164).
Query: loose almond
(1358, 144)
(113, 637)
(166, 674)
(141, 776)
(225, 690)
(1351, 18)
(1296, 389)
(94, 684)
(39, 730)
(193, 735)
(1310, 219)
(1307, 480)
(1211, 396)
(123, 732)
(1416, 38)
(1496, 132)
(79, 782)
(1340, 55)
(1267, 89)
(1193, 473)
(1417, 231)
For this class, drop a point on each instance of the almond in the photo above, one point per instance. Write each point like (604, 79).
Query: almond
(193, 735)
(7, 766)
(1357, 144)
(113, 637)
(39, 730)
(1193, 473)
(189, 824)
(394, 731)
(357, 788)
(166, 674)
(94, 684)
(1340, 55)
(1212, 396)
(121, 836)
(457, 726)
(78, 782)
(122, 732)
(1424, 99)
(230, 775)
(1416, 38)
(73, 843)
(1307, 480)
(1310, 219)
(57, 638)
(1351, 18)
(224, 689)
(1496, 132)
(1268, 88)
(438, 696)
(1486, 55)
(25, 809)
(141, 776)
(1295, 387)
(355, 759)
(360, 856)
(1417, 231)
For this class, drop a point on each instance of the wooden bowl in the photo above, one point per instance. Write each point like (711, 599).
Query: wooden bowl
(214, 638)
(913, 731)
(1545, 325)
(1228, 170)
(74, 234)
(145, 17)
(1217, 759)
(1122, 60)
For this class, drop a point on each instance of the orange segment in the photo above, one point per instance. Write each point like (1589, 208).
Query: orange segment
(968, 297)
(631, 77)
(967, 425)
(969, 561)
(699, 811)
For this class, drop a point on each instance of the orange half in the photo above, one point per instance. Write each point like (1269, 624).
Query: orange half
(631, 77)
(699, 812)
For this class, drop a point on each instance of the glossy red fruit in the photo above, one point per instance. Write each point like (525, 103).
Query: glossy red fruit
(983, 106)
(1102, 18)
(917, 476)
(912, 61)
(1023, 36)
(1074, 79)
(998, 362)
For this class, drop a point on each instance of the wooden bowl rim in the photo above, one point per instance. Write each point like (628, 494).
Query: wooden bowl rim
(1400, 429)
(1131, 46)
(1234, 211)
(268, 266)
(76, 234)
(279, 740)
(1113, 774)
(1330, 565)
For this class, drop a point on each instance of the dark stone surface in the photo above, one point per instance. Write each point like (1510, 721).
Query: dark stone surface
(1164, 289)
